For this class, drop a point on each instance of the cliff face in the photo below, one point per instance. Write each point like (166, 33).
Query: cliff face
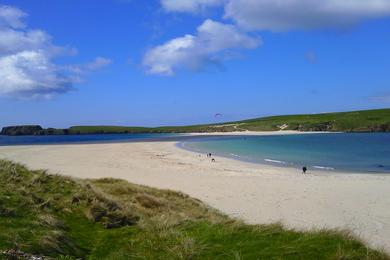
(21, 130)
(32, 130)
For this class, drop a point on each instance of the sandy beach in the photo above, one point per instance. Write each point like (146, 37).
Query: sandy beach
(255, 193)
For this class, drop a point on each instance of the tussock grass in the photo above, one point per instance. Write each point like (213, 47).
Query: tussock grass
(65, 218)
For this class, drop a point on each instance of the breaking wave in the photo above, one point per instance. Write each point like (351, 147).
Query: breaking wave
(323, 168)
(274, 161)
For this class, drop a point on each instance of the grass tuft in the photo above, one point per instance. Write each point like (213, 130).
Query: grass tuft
(148, 201)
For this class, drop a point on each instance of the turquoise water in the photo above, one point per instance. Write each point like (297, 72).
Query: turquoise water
(365, 152)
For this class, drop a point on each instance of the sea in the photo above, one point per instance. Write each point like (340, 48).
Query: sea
(330, 152)
(326, 152)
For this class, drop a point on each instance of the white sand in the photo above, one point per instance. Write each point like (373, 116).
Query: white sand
(255, 193)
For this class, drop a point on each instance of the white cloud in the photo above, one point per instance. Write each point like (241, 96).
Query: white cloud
(12, 41)
(282, 15)
(30, 74)
(195, 51)
(27, 67)
(189, 6)
(11, 16)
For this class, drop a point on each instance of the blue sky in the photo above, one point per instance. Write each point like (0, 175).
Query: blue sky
(133, 62)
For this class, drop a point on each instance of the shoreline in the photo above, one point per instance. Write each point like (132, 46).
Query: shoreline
(255, 193)
(280, 164)
(281, 167)
(312, 169)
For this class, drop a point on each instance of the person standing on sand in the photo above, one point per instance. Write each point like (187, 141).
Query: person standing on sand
(304, 170)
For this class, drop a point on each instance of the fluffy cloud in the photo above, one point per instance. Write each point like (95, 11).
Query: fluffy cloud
(12, 41)
(12, 17)
(195, 51)
(27, 67)
(282, 15)
(254, 15)
(190, 6)
(30, 74)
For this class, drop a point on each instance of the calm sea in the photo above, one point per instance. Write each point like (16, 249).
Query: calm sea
(95, 138)
(364, 152)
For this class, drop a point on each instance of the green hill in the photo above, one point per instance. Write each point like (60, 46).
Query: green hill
(356, 121)
(65, 218)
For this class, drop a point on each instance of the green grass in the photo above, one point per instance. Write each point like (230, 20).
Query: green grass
(356, 121)
(66, 218)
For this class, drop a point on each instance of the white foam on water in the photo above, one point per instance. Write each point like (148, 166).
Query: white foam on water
(323, 168)
(274, 161)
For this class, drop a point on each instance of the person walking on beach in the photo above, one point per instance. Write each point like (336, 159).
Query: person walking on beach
(304, 170)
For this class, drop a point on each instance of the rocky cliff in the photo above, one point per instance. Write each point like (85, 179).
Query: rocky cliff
(21, 130)
(32, 130)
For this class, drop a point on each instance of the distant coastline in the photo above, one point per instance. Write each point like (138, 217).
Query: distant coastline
(356, 121)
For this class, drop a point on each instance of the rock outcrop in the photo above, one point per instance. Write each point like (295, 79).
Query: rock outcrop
(32, 130)
(21, 130)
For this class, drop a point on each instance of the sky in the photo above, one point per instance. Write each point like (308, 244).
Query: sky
(180, 62)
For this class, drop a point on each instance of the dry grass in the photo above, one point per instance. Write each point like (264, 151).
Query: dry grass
(153, 203)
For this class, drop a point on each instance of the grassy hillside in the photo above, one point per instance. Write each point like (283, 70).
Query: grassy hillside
(357, 121)
(64, 218)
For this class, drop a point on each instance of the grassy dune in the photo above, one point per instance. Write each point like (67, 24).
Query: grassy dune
(66, 218)
(357, 121)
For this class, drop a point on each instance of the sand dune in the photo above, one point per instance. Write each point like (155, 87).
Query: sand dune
(255, 193)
